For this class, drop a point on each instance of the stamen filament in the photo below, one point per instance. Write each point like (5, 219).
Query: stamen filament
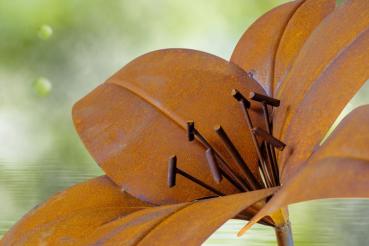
(173, 170)
(245, 105)
(251, 180)
(269, 148)
(228, 173)
(262, 98)
(213, 166)
(269, 138)
(267, 161)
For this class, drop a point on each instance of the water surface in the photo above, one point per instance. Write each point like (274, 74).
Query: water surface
(325, 222)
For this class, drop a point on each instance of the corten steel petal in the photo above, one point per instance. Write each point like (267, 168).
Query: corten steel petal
(332, 37)
(304, 20)
(338, 169)
(82, 207)
(255, 51)
(309, 57)
(324, 102)
(181, 224)
(136, 120)
(71, 229)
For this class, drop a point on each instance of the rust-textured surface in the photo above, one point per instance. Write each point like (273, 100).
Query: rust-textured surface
(304, 20)
(338, 169)
(333, 36)
(313, 56)
(184, 224)
(69, 215)
(71, 229)
(350, 138)
(333, 89)
(135, 121)
(255, 51)
(80, 217)
(130, 230)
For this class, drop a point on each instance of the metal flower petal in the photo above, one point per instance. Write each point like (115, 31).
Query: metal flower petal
(151, 128)
(180, 224)
(72, 214)
(334, 88)
(298, 29)
(97, 212)
(334, 36)
(255, 51)
(136, 120)
(338, 169)
(268, 48)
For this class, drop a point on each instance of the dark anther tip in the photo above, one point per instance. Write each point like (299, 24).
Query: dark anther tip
(218, 128)
(262, 98)
(240, 98)
(269, 138)
(190, 130)
(172, 171)
(237, 95)
(213, 166)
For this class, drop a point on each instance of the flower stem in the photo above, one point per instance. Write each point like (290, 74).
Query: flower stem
(284, 234)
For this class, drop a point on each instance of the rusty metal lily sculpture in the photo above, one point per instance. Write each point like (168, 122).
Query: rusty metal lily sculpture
(188, 140)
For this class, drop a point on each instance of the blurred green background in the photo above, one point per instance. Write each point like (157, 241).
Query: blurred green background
(53, 52)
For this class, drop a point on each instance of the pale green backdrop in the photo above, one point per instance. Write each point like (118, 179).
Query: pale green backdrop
(54, 52)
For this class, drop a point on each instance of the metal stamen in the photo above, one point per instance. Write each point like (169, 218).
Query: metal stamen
(245, 105)
(239, 97)
(274, 163)
(190, 130)
(213, 166)
(269, 138)
(173, 171)
(227, 172)
(265, 100)
(270, 164)
(262, 98)
(251, 180)
(267, 160)
(269, 148)
(232, 177)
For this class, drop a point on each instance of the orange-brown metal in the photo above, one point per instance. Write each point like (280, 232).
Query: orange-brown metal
(73, 214)
(321, 55)
(333, 89)
(255, 51)
(188, 224)
(137, 119)
(304, 21)
(338, 169)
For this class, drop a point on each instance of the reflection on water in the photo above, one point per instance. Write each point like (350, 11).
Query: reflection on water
(22, 189)
(326, 222)
(226, 235)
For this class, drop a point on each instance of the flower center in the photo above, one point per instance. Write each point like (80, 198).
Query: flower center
(265, 144)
